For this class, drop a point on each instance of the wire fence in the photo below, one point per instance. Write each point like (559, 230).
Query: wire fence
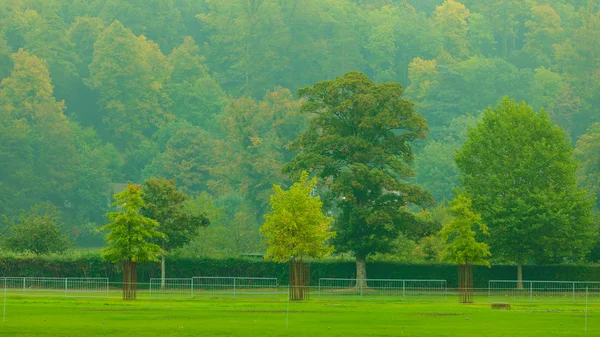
(214, 286)
(68, 286)
(539, 290)
(327, 289)
(380, 287)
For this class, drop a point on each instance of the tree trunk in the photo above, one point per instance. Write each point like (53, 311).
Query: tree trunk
(361, 271)
(520, 275)
(299, 280)
(465, 283)
(162, 268)
(129, 280)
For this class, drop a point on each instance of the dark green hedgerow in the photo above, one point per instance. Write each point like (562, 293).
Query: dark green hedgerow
(92, 265)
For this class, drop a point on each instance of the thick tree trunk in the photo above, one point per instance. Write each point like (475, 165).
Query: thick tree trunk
(361, 271)
(299, 280)
(465, 283)
(520, 275)
(129, 280)
(162, 268)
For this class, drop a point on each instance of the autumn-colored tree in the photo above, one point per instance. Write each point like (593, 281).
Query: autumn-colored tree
(451, 21)
(544, 30)
(130, 236)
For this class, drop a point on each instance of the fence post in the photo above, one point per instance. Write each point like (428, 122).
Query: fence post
(530, 291)
(234, 288)
(361, 286)
(319, 291)
(66, 286)
(4, 310)
(403, 289)
(192, 287)
(23, 285)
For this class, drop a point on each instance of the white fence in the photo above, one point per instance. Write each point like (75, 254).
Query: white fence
(67, 286)
(380, 287)
(214, 286)
(532, 290)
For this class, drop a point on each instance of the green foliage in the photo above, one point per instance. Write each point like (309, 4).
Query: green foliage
(520, 172)
(105, 91)
(296, 228)
(587, 151)
(130, 233)
(359, 144)
(37, 231)
(93, 265)
(165, 204)
(255, 146)
(459, 236)
(129, 84)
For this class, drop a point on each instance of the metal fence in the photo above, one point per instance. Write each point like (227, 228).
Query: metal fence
(535, 290)
(68, 286)
(328, 288)
(214, 286)
(380, 287)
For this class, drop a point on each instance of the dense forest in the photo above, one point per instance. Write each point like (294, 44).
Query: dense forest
(97, 93)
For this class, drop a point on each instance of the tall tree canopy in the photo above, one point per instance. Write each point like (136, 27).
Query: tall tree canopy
(520, 171)
(296, 227)
(166, 205)
(359, 144)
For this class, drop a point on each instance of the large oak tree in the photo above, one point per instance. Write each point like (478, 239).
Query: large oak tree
(359, 144)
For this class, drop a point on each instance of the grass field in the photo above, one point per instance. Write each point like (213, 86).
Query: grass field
(50, 316)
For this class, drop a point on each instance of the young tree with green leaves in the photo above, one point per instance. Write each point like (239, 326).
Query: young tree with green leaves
(519, 170)
(359, 144)
(36, 231)
(166, 205)
(296, 228)
(130, 236)
(461, 246)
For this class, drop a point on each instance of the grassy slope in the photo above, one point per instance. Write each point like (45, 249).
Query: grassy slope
(37, 316)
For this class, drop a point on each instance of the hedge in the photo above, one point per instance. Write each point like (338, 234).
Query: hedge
(92, 265)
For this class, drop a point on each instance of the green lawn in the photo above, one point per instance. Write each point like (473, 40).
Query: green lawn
(48, 316)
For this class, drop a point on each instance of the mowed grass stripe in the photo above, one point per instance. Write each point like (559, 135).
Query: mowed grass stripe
(42, 316)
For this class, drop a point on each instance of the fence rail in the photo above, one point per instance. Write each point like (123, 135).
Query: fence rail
(214, 286)
(327, 289)
(533, 290)
(70, 286)
(380, 287)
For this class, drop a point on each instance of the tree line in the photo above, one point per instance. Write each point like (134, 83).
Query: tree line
(97, 93)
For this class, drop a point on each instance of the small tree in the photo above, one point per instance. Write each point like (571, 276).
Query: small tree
(461, 246)
(36, 231)
(166, 205)
(129, 237)
(295, 229)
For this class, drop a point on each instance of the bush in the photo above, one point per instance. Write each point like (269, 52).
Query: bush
(36, 231)
(92, 265)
